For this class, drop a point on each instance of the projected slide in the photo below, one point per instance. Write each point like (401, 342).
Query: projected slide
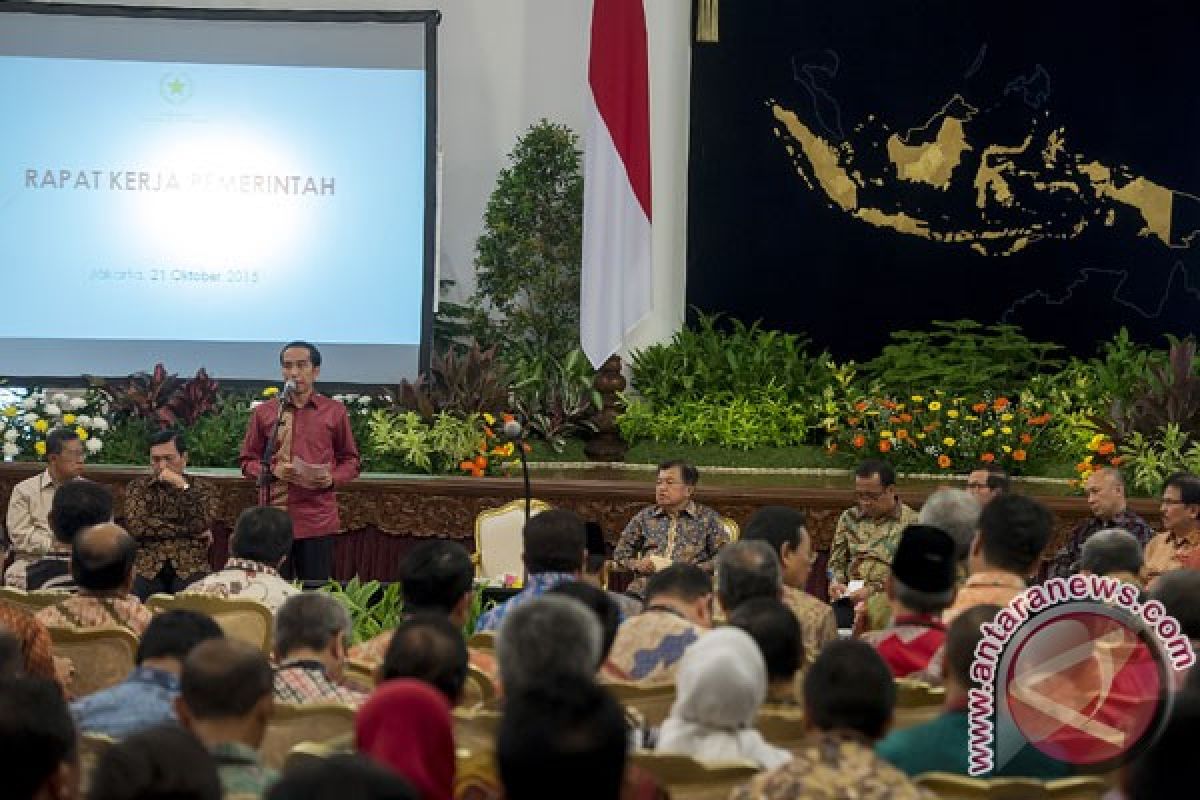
(200, 191)
(239, 194)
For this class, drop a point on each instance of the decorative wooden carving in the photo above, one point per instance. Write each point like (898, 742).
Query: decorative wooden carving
(606, 443)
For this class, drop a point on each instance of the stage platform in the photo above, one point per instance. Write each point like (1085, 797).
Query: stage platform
(385, 515)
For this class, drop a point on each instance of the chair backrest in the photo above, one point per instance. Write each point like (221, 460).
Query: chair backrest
(291, 724)
(102, 657)
(960, 787)
(475, 729)
(653, 703)
(688, 779)
(731, 528)
(308, 752)
(498, 542)
(242, 619)
(476, 776)
(91, 747)
(359, 674)
(32, 602)
(916, 702)
(781, 726)
(479, 689)
(482, 640)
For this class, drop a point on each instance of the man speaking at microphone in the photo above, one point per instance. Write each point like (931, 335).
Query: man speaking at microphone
(312, 453)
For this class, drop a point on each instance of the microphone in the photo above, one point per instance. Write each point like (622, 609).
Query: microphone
(514, 431)
(289, 388)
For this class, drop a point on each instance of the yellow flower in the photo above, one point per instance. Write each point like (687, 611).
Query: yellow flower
(41, 426)
(885, 434)
(39, 448)
(949, 441)
(935, 406)
(920, 435)
(83, 435)
(488, 418)
(989, 432)
(1006, 417)
(1006, 430)
(68, 419)
(11, 411)
(270, 391)
(916, 398)
(1006, 448)
(971, 418)
(952, 414)
(1094, 444)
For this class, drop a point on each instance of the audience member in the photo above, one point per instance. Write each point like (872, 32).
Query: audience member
(346, 777)
(554, 551)
(1181, 518)
(849, 696)
(406, 726)
(163, 763)
(941, 744)
(1114, 552)
(955, 511)
(987, 482)
(1160, 771)
(37, 651)
(547, 637)
(600, 603)
(170, 513)
(675, 529)
(746, 570)
(312, 634)
(678, 610)
(147, 697)
(783, 529)
(1179, 592)
(776, 631)
(920, 588)
(76, 506)
(429, 648)
(562, 736)
(102, 565)
(1013, 532)
(1105, 490)
(595, 569)
(225, 701)
(41, 755)
(721, 683)
(27, 520)
(262, 539)
(864, 540)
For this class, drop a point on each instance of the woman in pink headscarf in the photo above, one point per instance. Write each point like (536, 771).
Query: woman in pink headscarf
(405, 725)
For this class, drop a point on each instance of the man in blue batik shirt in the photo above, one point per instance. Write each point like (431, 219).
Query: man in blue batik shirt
(146, 698)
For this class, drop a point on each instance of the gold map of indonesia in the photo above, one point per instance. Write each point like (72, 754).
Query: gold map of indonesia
(1103, 191)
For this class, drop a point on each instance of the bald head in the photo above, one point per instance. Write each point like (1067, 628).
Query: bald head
(102, 558)
(1105, 492)
(224, 679)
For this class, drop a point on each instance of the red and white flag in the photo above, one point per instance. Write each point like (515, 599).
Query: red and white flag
(616, 280)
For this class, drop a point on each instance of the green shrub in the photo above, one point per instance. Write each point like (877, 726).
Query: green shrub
(740, 423)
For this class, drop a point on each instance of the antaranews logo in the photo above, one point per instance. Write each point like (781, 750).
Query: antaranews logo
(1080, 668)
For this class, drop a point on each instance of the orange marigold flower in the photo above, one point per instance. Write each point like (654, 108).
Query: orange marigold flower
(902, 434)
(1115, 461)
(930, 428)
(859, 441)
(987, 458)
(851, 420)
(1000, 404)
(508, 418)
(1018, 455)
(885, 446)
(1026, 438)
(861, 405)
(906, 417)
(488, 432)
(979, 408)
(480, 462)
(466, 466)
(889, 404)
(944, 461)
(1106, 448)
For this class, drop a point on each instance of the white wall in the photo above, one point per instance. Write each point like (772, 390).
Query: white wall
(503, 65)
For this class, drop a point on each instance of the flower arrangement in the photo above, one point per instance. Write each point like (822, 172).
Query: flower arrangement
(25, 423)
(939, 433)
(1102, 452)
(494, 454)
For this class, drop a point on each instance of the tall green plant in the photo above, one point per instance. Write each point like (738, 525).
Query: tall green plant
(373, 608)
(528, 257)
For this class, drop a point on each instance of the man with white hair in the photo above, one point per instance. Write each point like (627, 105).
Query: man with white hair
(548, 636)
(955, 511)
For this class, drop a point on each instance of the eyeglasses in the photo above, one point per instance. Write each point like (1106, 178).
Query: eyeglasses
(870, 496)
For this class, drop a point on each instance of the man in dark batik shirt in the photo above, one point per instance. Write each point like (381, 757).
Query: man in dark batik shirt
(169, 513)
(1105, 490)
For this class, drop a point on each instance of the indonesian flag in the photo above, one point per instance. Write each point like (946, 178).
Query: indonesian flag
(616, 279)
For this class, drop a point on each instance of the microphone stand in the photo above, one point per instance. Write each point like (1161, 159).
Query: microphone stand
(525, 475)
(265, 478)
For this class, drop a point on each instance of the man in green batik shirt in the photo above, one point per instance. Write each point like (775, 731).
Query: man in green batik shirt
(866, 539)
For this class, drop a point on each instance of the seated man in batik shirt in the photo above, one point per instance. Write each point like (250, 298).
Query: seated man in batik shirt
(648, 646)
(312, 636)
(102, 565)
(262, 537)
(675, 529)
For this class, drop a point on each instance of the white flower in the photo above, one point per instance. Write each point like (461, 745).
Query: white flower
(341, 398)
(10, 435)
(11, 450)
(349, 398)
(99, 424)
(83, 421)
(53, 410)
(29, 404)
(77, 403)
(94, 445)
(61, 399)
(29, 418)
(364, 400)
